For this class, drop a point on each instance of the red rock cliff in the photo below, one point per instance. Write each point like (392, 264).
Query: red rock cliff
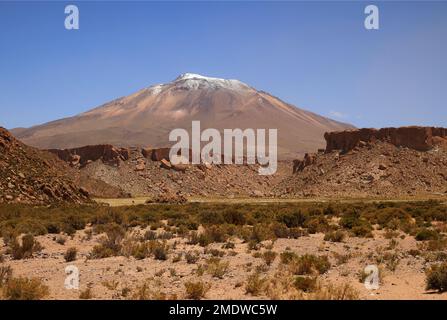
(82, 155)
(417, 138)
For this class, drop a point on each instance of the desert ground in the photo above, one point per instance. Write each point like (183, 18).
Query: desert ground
(234, 250)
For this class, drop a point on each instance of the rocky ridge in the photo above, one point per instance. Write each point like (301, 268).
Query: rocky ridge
(385, 163)
(28, 175)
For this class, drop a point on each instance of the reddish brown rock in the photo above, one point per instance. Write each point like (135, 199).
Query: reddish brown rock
(146, 152)
(417, 138)
(107, 153)
(28, 175)
(299, 165)
(163, 153)
(165, 164)
(160, 154)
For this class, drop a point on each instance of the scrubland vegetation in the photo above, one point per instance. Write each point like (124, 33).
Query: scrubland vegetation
(212, 231)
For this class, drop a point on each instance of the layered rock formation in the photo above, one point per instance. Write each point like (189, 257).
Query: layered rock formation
(81, 156)
(417, 138)
(367, 163)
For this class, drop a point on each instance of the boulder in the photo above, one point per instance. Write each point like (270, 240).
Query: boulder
(140, 166)
(165, 164)
(299, 165)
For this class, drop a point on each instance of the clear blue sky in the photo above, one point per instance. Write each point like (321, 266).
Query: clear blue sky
(317, 56)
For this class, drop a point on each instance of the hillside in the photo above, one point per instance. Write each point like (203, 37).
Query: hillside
(28, 175)
(385, 163)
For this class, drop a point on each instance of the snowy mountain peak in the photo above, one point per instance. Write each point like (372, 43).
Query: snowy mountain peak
(186, 76)
(196, 81)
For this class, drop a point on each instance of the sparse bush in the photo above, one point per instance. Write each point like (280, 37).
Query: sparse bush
(309, 264)
(196, 290)
(261, 232)
(111, 285)
(269, 256)
(70, 254)
(293, 219)
(288, 256)
(217, 268)
(436, 278)
(234, 217)
(334, 236)
(228, 245)
(5, 275)
(359, 226)
(255, 284)
(86, 294)
(191, 257)
(25, 289)
(214, 252)
(110, 245)
(177, 258)
(26, 249)
(334, 292)
(160, 251)
(427, 234)
(131, 247)
(305, 284)
(150, 235)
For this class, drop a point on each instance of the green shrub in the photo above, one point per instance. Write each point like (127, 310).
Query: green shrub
(196, 290)
(5, 275)
(217, 268)
(111, 244)
(293, 219)
(305, 284)
(269, 256)
(309, 264)
(70, 254)
(86, 294)
(427, 234)
(255, 284)
(26, 249)
(160, 251)
(191, 257)
(288, 256)
(334, 236)
(436, 278)
(25, 289)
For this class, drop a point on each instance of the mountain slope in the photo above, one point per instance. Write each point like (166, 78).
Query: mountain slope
(147, 116)
(29, 175)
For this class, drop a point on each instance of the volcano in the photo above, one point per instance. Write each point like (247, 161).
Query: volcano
(146, 117)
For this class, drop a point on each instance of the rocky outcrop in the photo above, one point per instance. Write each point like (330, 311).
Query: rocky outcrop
(28, 175)
(365, 163)
(83, 155)
(158, 154)
(417, 138)
(299, 165)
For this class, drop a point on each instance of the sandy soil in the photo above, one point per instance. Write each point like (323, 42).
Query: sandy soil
(108, 277)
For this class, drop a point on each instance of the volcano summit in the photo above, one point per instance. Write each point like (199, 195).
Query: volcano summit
(146, 117)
